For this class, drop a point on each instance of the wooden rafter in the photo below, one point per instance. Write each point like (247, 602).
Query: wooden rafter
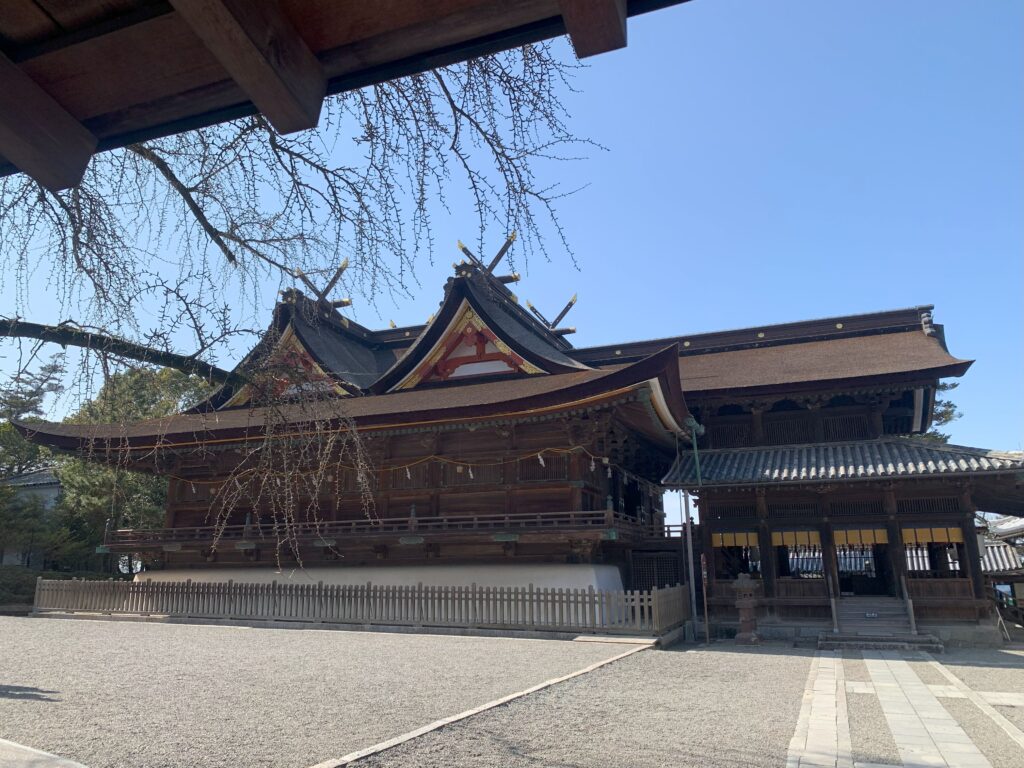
(37, 134)
(263, 52)
(594, 26)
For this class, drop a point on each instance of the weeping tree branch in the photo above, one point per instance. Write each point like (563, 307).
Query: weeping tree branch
(186, 195)
(70, 336)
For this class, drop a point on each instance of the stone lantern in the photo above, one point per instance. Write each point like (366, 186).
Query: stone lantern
(746, 590)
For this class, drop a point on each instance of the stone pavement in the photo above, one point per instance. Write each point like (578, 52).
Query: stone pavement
(17, 756)
(926, 734)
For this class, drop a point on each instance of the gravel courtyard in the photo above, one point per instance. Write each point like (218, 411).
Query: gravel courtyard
(673, 708)
(125, 693)
(157, 695)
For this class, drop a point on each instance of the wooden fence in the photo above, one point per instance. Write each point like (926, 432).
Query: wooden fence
(627, 612)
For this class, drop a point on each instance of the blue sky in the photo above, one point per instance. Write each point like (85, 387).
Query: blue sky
(778, 161)
(781, 161)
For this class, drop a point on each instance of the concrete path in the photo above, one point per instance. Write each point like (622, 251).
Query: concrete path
(926, 734)
(16, 756)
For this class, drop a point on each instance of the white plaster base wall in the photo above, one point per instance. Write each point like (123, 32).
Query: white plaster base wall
(563, 575)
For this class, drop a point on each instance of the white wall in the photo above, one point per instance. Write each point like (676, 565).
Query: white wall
(501, 575)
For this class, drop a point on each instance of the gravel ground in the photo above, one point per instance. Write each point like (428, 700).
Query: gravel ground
(673, 708)
(986, 670)
(869, 732)
(854, 667)
(1014, 714)
(929, 675)
(153, 695)
(992, 740)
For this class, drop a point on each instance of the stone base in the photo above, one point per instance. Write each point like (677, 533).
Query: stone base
(984, 634)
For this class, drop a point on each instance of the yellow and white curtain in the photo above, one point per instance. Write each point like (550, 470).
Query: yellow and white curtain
(933, 535)
(856, 537)
(796, 539)
(735, 539)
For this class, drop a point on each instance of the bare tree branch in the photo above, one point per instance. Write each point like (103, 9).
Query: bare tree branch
(68, 335)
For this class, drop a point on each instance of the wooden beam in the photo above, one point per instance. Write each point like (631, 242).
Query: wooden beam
(595, 26)
(263, 52)
(37, 134)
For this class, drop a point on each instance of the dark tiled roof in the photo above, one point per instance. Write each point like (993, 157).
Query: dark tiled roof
(1000, 557)
(894, 457)
(351, 360)
(1006, 527)
(499, 310)
(37, 477)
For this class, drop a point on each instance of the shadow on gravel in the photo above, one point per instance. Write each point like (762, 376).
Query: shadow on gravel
(26, 693)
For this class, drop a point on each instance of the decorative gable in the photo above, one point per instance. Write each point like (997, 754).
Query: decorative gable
(288, 372)
(467, 348)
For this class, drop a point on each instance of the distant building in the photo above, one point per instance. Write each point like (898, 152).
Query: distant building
(41, 485)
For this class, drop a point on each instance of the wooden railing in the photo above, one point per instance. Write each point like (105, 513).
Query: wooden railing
(1009, 607)
(628, 612)
(330, 529)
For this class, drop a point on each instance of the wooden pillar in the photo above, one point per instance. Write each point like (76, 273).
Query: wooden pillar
(706, 548)
(878, 408)
(829, 561)
(971, 548)
(576, 481)
(897, 552)
(764, 543)
(757, 423)
(817, 420)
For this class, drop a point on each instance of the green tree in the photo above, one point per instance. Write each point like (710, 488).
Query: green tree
(23, 399)
(944, 413)
(24, 522)
(93, 493)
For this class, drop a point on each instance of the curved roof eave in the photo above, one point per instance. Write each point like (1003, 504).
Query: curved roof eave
(398, 410)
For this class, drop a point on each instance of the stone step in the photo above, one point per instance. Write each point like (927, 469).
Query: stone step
(901, 642)
(875, 631)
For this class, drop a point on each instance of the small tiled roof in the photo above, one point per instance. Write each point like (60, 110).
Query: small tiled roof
(1000, 557)
(892, 457)
(1006, 527)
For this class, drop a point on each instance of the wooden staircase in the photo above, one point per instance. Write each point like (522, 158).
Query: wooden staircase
(876, 623)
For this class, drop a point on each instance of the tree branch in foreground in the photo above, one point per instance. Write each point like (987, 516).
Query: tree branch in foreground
(68, 335)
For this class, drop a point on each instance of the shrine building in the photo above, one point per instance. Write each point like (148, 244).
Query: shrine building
(500, 454)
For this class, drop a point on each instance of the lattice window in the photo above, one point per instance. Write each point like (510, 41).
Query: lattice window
(778, 509)
(416, 476)
(655, 570)
(788, 431)
(848, 427)
(555, 467)
(727, 435)
(456, 475)
(924, 506)
(731, 511)
(856, 508)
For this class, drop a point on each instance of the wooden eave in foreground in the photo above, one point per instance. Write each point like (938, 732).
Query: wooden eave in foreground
(94, 75)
